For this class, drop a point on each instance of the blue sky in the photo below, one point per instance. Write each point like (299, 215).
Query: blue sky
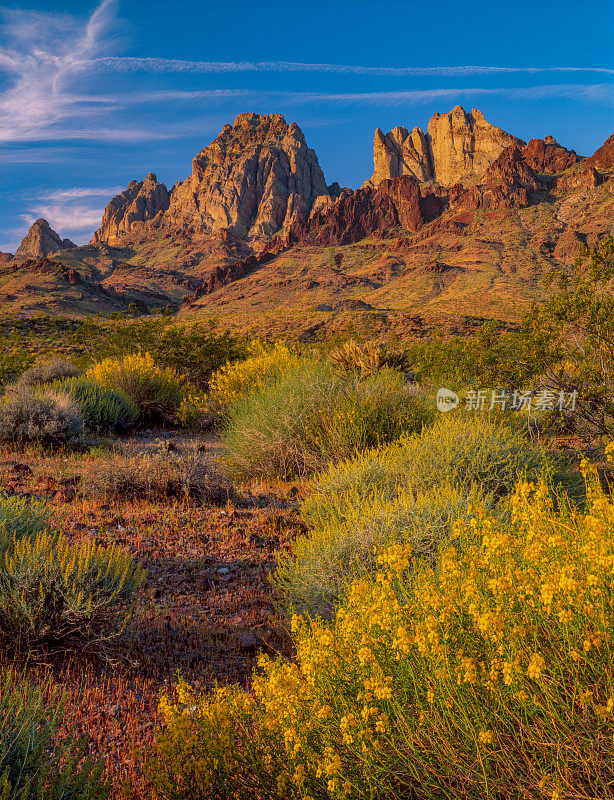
(94, 95)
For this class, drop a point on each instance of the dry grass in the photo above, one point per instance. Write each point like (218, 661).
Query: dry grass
(207, 606)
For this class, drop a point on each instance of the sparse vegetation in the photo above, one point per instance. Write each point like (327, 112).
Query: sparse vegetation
(35, 762)
(155, 391)
(451, 573)
(32, 414)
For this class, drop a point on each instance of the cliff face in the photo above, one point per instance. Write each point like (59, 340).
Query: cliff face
(457, 146)
(391, 203)
(141, 201)
(41, 241)
(464, 145)
(401, 153)
(256, 178)
(603, 157)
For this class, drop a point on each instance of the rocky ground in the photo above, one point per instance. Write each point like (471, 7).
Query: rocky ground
(207, 608)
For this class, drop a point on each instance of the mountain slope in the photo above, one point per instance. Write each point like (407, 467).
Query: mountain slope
(255, 238)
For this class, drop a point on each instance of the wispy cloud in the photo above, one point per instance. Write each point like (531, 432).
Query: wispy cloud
(73, 212)
(174, 65)
(43, 60)
(79, 192)
(598, 93)
(47, 59)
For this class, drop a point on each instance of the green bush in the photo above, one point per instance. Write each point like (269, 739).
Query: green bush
(310, 414)
(47, 372)
(323, 563)
(104, 410)
(35, 764)
(28, 415)
(51, 589)
(156, 391)
(196, 351)
(458, 450)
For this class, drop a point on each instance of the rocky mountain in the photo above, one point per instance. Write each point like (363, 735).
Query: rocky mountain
(464, 222)
(42, 241)
(256, 178)
(456, 146)
(141, 201)
(603, 158)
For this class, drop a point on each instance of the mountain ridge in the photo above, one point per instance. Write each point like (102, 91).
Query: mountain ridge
(257, 199)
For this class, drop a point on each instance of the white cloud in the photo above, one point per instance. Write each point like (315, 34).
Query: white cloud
(47, 59)
(78, 192)
(43, 59)
(73, 212)
(160, 65)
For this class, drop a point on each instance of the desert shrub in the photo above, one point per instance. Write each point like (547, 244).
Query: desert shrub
(126, 472)
(370, 357)
(195, 412)
(196, 351)
(325, 561)
(47, 372)
(51, 589)
(309, 414)
(487, 675)
(457, 450)
(103, 409)
(35, 762)
(20, 518)
(236, 379)
(564, 344)
(156, 391)
(31, 414)
(14, 359)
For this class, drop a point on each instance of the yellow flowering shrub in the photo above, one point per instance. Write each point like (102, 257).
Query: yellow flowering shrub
(237, 378)
(194, 410)
(487, 675)
(156, 391)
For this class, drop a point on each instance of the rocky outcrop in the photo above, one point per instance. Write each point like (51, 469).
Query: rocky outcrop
(6, 257)
(392, 203)
(141, 201)
(256, 178)
(603, 158)
(456, 146)
(464, 145)
(507, 183)
(548, 156)
(580, 180)
(42, 241)
(401, 153)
